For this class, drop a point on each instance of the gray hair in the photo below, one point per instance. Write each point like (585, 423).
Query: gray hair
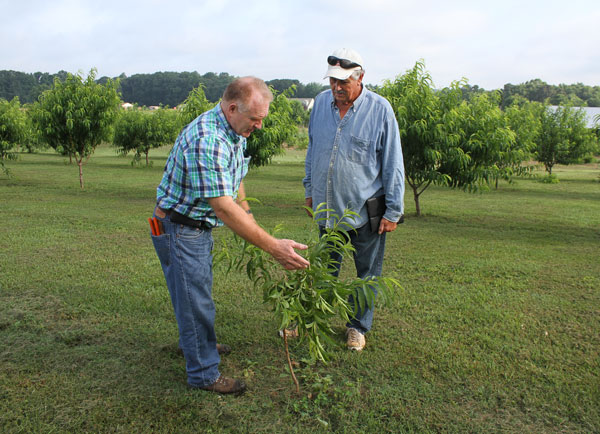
(356, 74)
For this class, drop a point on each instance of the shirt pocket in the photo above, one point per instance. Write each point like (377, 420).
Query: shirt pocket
(360, 150)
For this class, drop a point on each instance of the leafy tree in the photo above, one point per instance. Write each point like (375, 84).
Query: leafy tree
(171, 88)
(564, 94)
(76, 115)
(214, 85)
(448, 140)
(194, 105)
(420, 114)
(486, 141)
(468, 91)
(533, 90)
(282, 84)
(27, 87)
(309, 90)
(278, 127)
(13, 129)
(33, 139)
(142, 130)
(312, 298)
(523, 117)
(300, 115)
(564, 137)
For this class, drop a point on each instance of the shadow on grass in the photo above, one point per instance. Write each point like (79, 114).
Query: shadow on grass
(492, 228)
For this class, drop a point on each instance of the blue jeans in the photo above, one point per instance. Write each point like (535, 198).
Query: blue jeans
(185, 256)
(368, 259)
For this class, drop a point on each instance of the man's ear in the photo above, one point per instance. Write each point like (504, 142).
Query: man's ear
(231, 107)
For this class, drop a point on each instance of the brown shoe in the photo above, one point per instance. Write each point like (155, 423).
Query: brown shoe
(223, 349)
(226, 385)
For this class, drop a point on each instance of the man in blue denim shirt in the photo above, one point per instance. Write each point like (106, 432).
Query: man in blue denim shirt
(202, 188)
(354, 153)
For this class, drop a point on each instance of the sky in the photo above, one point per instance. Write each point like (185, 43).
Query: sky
(488, 43)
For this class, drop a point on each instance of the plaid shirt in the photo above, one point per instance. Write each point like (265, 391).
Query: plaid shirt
(206, 161)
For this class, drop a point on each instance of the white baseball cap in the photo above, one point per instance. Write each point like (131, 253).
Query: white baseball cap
(342, 63)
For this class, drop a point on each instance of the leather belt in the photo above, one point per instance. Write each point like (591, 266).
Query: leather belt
(181, 219)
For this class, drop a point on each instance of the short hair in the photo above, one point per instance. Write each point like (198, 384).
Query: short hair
(241, 90)
(356, 74)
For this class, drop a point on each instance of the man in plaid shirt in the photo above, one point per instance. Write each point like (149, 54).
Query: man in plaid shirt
(201, 189)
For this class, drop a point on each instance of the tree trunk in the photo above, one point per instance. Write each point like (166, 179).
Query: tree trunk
(287, 353)
(147, 152)
(80, 164)
(416, 196)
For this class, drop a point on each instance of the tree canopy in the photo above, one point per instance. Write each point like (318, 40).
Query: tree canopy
(564, 137)
(419, 112)
(76, 115)
(448, 140)
(278, 127)
(142, 130)
(13, 128)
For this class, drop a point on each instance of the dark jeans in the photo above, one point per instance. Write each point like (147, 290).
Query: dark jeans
(368, 259)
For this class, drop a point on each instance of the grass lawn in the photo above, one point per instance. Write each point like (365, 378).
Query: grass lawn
(496, 329)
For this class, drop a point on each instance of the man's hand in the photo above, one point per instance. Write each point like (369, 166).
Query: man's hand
(386, 226)
(284, 254)
(308, 204)
(243, 224)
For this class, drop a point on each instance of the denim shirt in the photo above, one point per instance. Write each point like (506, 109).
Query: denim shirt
(354, 158)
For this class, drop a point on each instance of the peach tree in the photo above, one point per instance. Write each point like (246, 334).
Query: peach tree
(309, 299)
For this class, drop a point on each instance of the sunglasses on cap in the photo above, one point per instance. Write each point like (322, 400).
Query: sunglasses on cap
(344, 63)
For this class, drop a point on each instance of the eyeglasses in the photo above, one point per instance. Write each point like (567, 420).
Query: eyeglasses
(344, 63)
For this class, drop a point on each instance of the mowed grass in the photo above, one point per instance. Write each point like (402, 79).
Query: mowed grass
(496, 328)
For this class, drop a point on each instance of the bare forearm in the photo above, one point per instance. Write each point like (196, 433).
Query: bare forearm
(241, 199)
(243, 224)
(235, 216)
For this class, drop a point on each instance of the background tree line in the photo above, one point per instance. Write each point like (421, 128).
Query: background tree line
(160, 88)
(578, 95)
(172, 88)
(468, 142)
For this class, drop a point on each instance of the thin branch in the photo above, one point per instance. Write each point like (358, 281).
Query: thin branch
(287, 353)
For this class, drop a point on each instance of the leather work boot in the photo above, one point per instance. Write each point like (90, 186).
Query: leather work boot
(226, 385)
(223, 349)
(356, 340)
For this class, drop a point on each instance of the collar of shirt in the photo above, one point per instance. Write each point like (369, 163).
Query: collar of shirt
(357, 102)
